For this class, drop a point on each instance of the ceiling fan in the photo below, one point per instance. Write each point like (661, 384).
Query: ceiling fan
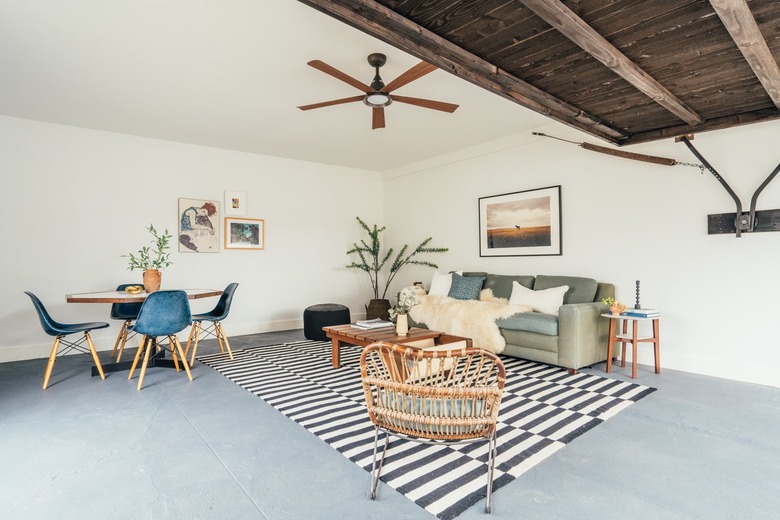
(377, 95)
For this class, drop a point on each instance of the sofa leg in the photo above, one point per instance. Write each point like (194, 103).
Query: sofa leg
(573, 371)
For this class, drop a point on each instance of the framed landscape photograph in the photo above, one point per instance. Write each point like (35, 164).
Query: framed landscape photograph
(244, 233)
(523, 223)
(198, 226)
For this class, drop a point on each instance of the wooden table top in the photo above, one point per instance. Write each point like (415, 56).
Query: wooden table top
(349, 333)
(123, 297)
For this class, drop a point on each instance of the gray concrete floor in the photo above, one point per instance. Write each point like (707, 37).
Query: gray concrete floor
(699, 447)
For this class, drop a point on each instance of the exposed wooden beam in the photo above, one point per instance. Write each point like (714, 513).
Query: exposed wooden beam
(739, 22)
(745, 118)
(383, 23)
(574, 28)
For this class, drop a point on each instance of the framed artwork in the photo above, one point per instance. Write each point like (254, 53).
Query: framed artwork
(244, 233)
(235, 203)
(198, 226)
(523, 223)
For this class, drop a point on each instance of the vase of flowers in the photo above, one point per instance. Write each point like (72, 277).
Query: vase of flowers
(407, 298)
(152, 259)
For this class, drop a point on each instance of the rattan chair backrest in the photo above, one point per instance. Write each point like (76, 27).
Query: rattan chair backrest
(440, 395)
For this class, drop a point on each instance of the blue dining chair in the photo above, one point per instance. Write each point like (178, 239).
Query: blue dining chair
(128, 313)
(215, 316)
(163, 313)
(60, 331)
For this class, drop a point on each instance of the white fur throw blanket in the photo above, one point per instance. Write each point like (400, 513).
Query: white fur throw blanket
(475, 319)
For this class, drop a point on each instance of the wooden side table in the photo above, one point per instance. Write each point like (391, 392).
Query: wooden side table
(633, 338)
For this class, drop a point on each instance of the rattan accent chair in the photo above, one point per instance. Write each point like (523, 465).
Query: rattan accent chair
(432, 396)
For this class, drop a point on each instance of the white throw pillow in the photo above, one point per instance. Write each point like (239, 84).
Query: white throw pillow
(546, 301)
(441, 283)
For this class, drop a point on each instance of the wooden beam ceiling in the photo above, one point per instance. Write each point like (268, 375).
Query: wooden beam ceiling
(625, 71)
(388, 26)
(574, 28)
(742, 26)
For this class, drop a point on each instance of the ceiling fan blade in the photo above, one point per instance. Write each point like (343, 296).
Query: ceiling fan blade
(331, 103)
(327, 69)
(418, 71)
(427, 103)
(377, 118)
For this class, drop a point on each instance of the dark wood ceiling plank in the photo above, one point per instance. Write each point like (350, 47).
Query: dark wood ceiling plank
(392, 28)
(739, 22)
(573, 27)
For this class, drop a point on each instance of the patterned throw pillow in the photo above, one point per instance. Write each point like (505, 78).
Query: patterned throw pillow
(465, 287)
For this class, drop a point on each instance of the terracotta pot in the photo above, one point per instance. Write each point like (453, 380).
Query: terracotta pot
(378, 309)
(152, 280)
(616, 309)
(401, 324)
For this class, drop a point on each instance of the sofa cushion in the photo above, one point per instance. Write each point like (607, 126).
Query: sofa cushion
(465, 287)
(547, 300)
(546, 324)
(501, 284)
(581, 290)
(440, 284)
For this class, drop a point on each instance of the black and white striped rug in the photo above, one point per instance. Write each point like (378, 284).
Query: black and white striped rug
(543, 409)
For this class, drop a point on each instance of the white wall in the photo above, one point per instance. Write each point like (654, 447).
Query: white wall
(75, 200)
(625, 221)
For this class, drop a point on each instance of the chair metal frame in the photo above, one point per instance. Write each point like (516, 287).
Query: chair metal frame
(60, 331)
(150, 342)
(215, 329)
(432, 397)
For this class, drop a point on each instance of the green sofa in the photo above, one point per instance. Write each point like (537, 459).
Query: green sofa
(575, 338)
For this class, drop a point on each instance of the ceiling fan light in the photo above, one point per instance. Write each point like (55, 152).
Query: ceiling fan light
(377, 99)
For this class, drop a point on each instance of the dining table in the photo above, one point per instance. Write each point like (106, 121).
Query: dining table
(158, 359)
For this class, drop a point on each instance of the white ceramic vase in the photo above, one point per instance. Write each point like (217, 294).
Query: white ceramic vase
(401, 325)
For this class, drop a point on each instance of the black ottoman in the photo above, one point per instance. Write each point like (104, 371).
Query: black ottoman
(323, 315)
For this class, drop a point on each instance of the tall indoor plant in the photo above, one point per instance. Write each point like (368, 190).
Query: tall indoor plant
(152, 259)
(372, 260)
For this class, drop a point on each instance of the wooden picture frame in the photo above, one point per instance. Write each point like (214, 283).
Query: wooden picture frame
(244, 233)
(522, 223)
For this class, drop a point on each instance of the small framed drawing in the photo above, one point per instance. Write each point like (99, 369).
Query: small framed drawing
(523, 223)
(244, 233)
(235, 203)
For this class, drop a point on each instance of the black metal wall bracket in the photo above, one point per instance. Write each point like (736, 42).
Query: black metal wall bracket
(739, 222)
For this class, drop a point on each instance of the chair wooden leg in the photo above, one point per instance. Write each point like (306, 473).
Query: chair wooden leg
(125, 337)
(197, 326)
(183, 357)
(119, 338)
(94, 355)
(189, 338)
(148, 351)
(221, 333)
(174, 354)
(137, 357)
(50, 364)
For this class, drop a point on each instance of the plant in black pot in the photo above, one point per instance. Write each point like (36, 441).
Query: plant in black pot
(372, 260)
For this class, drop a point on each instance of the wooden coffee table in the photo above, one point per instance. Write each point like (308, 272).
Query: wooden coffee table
(349, 335)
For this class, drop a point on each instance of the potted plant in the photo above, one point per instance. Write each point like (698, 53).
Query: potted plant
(615, 307)
(152, 259)
(407, 298)
(372, 260)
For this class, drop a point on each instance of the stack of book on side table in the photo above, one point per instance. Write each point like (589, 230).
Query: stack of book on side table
(641, 313)
(376, 323)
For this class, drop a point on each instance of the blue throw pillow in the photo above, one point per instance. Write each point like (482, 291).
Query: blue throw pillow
(465, 287)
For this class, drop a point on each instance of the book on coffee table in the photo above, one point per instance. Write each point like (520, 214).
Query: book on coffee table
(376, 323)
